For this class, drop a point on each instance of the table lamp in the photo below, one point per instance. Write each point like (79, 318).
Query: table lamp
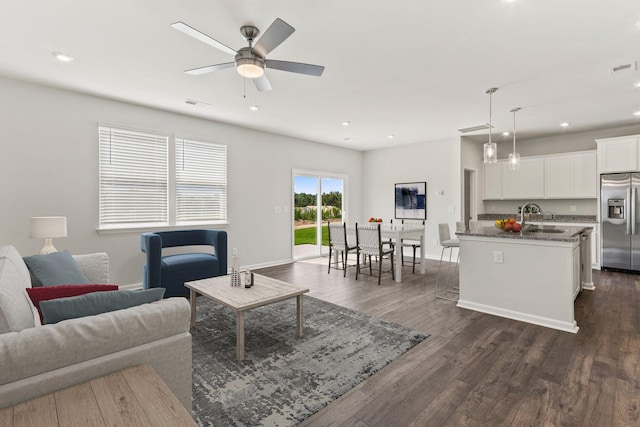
(47, 227)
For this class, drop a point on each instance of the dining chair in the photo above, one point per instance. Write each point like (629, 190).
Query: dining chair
(338, 244)
(473, 225)
(447, 243)
(369, 243)
(460, 227)
(414, 244)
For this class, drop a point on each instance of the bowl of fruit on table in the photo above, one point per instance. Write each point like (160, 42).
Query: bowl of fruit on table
(509, 225)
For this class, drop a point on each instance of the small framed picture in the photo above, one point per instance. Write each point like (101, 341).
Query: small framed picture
(411, 200)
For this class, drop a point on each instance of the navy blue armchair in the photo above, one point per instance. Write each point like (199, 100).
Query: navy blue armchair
(172, 271)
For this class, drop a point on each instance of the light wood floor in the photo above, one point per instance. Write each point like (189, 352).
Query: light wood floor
(478, 369)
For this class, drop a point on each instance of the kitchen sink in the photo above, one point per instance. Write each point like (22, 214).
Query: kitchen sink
(546, 230)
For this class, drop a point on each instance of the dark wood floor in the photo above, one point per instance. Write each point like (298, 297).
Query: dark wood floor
(478, 369)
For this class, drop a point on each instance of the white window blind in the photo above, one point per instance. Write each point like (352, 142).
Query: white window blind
(133, 178)
(201, 181)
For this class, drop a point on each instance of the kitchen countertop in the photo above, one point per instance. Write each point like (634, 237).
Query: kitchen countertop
(583, 219)
(571, 234)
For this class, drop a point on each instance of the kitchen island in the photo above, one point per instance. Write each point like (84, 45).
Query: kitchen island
(532, 276)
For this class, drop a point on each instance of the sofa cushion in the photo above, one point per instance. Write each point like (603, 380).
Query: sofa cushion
(46, 293)
(95, 266)
(15, 307)
(57, 310)
(57, 268)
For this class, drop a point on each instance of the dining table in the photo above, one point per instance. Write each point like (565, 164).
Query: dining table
(397, 233)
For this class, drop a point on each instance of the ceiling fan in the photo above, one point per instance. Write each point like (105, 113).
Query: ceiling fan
(251, 61)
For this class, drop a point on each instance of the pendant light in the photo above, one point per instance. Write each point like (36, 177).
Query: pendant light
(514, 158)
(490, 148)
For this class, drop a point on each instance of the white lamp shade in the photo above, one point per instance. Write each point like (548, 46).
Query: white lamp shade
(47, 227)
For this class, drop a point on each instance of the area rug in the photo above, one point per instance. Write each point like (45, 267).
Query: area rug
(285, 379)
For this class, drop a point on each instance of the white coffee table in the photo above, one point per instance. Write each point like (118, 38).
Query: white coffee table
(264, 291)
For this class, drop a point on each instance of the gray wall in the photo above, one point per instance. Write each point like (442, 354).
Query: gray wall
(436, 162)
(49, 166)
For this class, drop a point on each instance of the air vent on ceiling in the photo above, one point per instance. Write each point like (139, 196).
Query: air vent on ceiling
(622, 68)
(198, 103)
(475, 128)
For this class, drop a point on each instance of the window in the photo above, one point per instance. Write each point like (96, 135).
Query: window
(133, 178)
(137, 185)
(201, 181)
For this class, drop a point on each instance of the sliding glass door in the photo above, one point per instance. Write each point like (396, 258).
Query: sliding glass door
(317, 199)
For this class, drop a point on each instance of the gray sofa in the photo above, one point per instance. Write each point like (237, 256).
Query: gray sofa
(38, 360)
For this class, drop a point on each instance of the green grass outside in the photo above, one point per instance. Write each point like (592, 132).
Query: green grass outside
(307, 236)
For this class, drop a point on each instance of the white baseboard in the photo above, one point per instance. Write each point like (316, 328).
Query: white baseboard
(523, 317)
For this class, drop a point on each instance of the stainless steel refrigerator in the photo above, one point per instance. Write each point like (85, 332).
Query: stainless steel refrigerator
(620, 220)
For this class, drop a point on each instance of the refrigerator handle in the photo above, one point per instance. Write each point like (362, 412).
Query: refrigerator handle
(634, 190)
(627, 202)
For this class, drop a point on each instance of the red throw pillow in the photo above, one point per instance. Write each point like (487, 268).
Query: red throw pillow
(64, 291)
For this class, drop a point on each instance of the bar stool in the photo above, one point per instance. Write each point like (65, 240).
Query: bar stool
(447, 243)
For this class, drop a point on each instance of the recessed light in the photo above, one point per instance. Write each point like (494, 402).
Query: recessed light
(62, 57)
(636, 113)
(391, 136)
(636, 84)
(506, 133)
(346, 123)
(564, 124)
(254, 107)
(347, 139)
(638, 25)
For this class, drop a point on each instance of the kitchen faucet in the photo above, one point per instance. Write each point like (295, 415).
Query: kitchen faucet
(523, 209)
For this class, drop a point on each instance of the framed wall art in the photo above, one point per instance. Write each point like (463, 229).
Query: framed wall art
(411, 200)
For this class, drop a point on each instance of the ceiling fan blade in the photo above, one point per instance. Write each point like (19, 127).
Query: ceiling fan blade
(277, 32)
(262, 83)
(209, 68)
(190, 31)
(295, 67)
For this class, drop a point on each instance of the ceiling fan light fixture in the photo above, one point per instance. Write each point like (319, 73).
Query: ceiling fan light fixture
(251, 68)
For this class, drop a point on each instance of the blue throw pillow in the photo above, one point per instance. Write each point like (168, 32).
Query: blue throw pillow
(58, 268)
(56, 310)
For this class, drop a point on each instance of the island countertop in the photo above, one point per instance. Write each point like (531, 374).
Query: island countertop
(568, 234)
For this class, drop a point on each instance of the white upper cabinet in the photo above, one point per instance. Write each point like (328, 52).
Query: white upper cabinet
(618, 154)
(493, 180)
(571, 176)
(526, 182)
(557, 176)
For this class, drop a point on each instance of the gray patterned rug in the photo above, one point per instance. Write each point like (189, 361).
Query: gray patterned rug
(285, 379)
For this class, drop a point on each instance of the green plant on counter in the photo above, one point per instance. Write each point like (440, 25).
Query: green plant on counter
(530, 209)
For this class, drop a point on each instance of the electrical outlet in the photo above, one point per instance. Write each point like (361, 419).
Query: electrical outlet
(498, 257)
(573, 208)
(452, 208)
(277, 210)
(234, 251)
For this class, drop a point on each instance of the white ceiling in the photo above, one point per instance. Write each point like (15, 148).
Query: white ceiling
(417, 69)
